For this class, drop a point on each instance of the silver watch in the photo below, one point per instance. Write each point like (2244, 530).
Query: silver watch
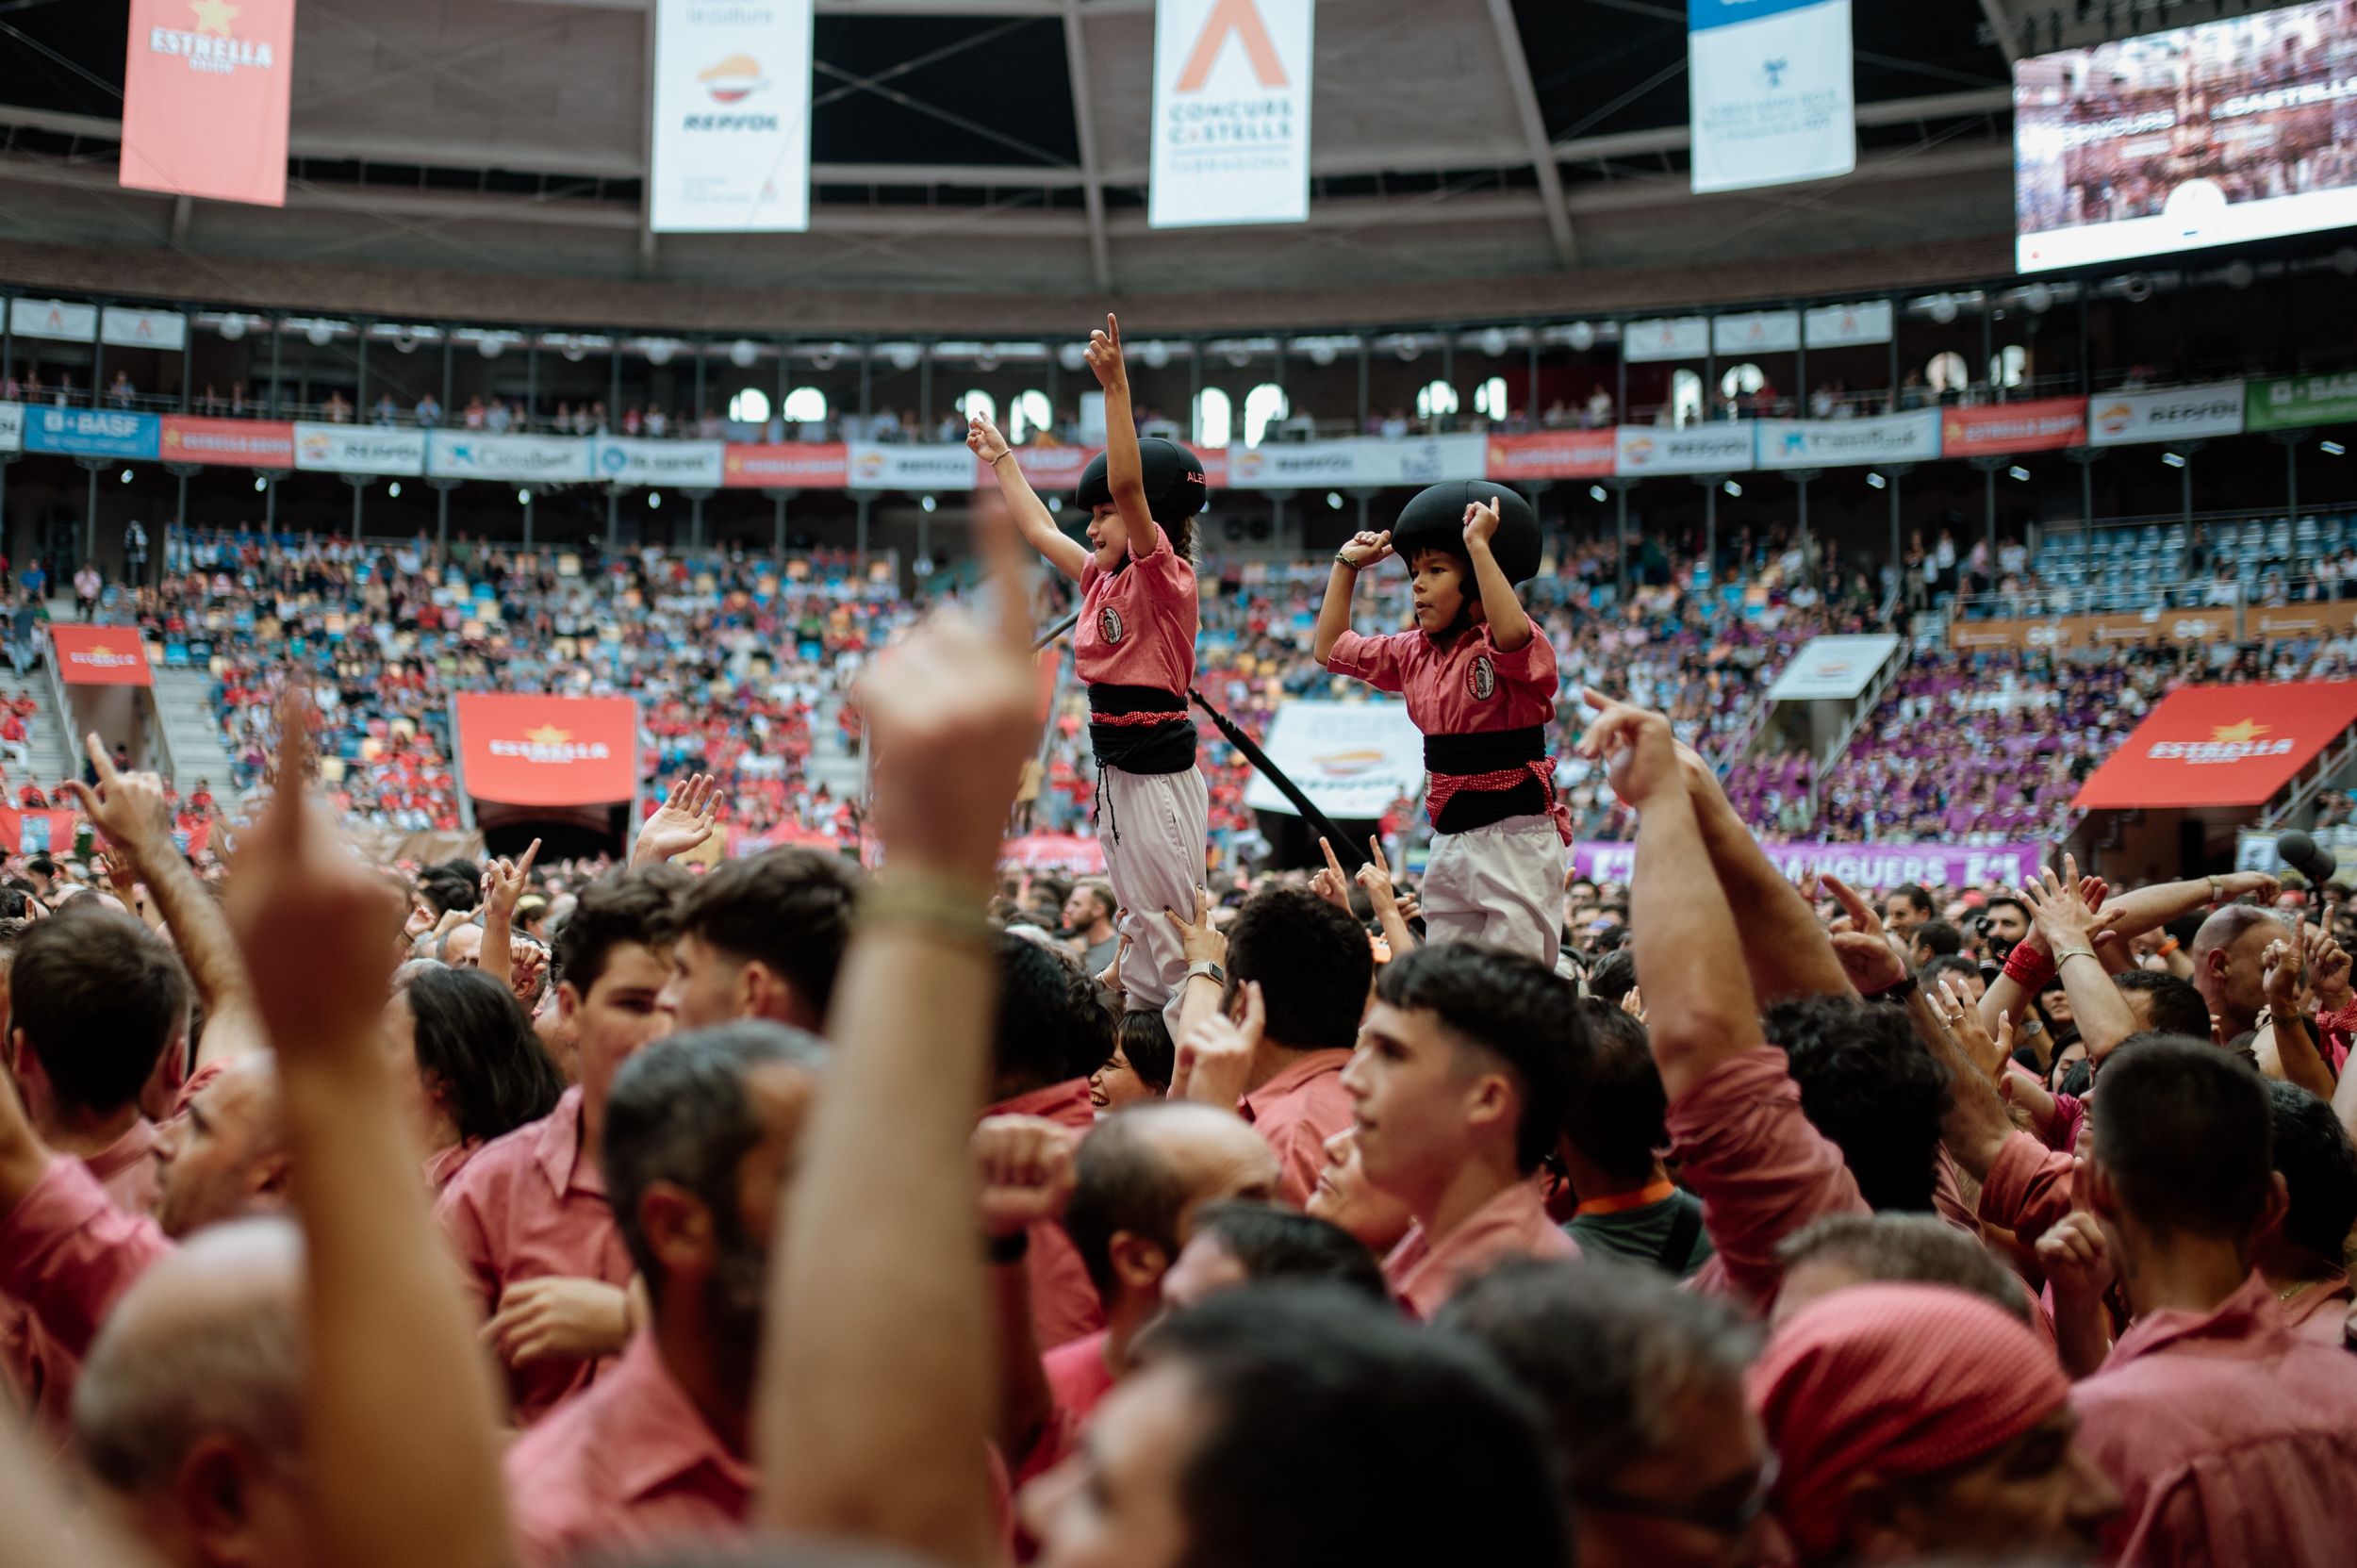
(1209, 970)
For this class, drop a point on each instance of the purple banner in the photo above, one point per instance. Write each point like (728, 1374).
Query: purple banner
(1876, 866)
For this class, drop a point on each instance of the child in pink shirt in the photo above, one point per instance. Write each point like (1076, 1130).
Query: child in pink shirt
(1480, 682)
(1134, 647)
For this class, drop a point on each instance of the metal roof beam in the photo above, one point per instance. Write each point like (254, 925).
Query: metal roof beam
(1534, 124)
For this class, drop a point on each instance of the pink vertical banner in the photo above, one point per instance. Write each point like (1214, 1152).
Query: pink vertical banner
(205, 93)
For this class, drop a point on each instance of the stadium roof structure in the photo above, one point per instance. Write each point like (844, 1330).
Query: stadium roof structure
(997, 148)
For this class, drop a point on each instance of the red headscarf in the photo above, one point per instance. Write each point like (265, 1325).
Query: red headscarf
(1901, 1380)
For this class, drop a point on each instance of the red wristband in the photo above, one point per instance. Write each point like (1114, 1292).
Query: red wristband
(2029, 968)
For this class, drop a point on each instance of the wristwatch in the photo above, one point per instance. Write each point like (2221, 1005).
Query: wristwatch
(1210, 971)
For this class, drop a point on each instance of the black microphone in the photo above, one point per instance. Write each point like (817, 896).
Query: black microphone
(2303, 856)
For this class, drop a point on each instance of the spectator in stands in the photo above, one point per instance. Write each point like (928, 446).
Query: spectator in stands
(1612, 1137)
(120, 393)
(427, 411)
(761, 938)
(388, 412)
(336, 409)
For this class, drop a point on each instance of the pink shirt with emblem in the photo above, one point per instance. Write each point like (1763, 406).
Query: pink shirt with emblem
(1137, 625)
(1063, 1301)
(2233, 1438)
(1297, 1111)
(628, 1465)
(528, 1206)
(1424, 1273)
(67, 1254)
(1468, 688)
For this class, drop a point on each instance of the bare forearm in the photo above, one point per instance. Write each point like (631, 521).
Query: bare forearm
(2082, 1332)
(498, 956)
(1125, 471)
(401, 1422)
(2095, 1005)
(1333, 611)
(1975, 1126)
(1784, 948)
(1700, 1007)
(2296, 1052)
(1034, 522)
(2144, 909)
(876, 1399)
(198, 926)
(1510, 623)
(1025, 1402)
(1395, 930)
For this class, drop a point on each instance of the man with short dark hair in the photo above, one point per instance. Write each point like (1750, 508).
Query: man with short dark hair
(2005, 922)
(529, 1215)
(1088, 921)
(1957, 970)
(1459, 1086)
(1841, 1250)
(1933, 939)
(1907, 906)
(700, 1150)
(1868, 1085)
(1238, 1242)
(2234, 1438)
(1612, 1141)
(1398, 1447)
(2301, 1257)
(2163, 1004)
(1614, 976)
(762, 938)
(1641, 1387)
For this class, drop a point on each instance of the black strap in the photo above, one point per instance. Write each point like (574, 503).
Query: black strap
(1484, 750)
(1166, 748)
(1685, 1223)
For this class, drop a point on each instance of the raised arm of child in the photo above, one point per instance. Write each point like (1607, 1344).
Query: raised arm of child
(1125, 471)
(1365, 550)
(1510, 627)
(1032, 519)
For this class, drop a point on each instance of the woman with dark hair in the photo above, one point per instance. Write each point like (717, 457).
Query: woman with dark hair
(470, 1066)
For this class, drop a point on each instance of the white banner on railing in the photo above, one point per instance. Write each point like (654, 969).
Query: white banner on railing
(1669, 337)
(59, 321)
(731, 117)
(1757, 332)
(624, 460)
(11, 427)
(1352, 759)
(1769, 86)
(1294, 464)
(142, 329)
(1713, 448)
(1911, 438)
(910, 468)
(359, 449)
(1231, 113)
(526, 459)
(2116, 419)
(1833, 326)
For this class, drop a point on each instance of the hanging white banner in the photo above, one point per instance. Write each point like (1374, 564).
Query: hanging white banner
(1832, 326)
(910, 468)
(55, 319)
(1294, 465)
(2116, 419)
(11, 427)
(528, 460)
(1352, 759)
(1718, 447)
(359, 449)
(1770, 88)
(1757, 332)
(1669, 338)
(731, 117)
(1231, 113)
(143, 329)
(625, 461)
(1911, 438)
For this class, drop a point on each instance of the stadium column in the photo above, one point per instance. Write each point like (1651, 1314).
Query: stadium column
(2289, 440)
(1801, 479)
(441, 512)
(90, 523)
(612, 516)
(359, 483)
(278, 332)
(2184, 481)
(1896, 474)
(697, 495)
(1365, 408)
(1988, 466)
(1619, 484)
(6, 458)
(181, 473)
(2085, 457)
(1710, 483)
(779, 495)
(862, 499)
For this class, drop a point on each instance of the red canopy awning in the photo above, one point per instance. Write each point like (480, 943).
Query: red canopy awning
(2223, 745)
(100, 655)
(526, 751)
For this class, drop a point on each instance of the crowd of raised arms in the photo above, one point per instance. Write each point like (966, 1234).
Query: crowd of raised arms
(494, 1212)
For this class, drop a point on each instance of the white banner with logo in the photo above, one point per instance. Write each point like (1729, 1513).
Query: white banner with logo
(1718, 447)
(1834, 668)
(1833, 326)
(622, 460)
(58, 320)
(11, 427)
(1300, 465)
(731, 117)
(1667, 337)
(2117, 419)
(1757, 332)
(910, 468)
(1910, 438)
(526, 459)
(1352, 759)
(1769, 86)
(359, 449)
(1231, 113)
(142, 329)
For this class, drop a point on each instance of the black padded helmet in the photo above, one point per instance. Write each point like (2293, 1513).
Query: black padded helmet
(1174, 486)
(1434, 518)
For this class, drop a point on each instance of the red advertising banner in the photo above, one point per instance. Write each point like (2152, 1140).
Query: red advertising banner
(790, 465)
(240, 443)
(204, 90)
(36, 833)
(1551, 455)
(1049, 468)
(100, 655)
(529, 750)
(2223, 745)
(2042, 424)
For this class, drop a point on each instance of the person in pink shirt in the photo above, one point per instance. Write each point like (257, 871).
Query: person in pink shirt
(468, 1066)
(529, 1217)
(2301, 1255)
(1344, 1196)
(762, 938)
(1133, 646)
(1459, 1087)
(1481, 681)
(1312, 967)
(700, 1145)
(2234, 1436)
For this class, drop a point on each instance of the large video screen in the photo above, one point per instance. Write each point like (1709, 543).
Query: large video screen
(2243, 128)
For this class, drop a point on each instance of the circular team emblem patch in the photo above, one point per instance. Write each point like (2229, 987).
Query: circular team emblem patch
(1482, 679)
(1109, 624)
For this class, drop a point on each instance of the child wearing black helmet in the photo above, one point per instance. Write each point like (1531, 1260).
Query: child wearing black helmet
(1134, 647)
(1481, 684)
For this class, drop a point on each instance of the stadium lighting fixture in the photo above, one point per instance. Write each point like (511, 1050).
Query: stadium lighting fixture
(2331, 448)
(1334, 499)
(1055, 503)
(393, 489)
(523, 497)
(2020, 472)
(1734, 488)
(260, 484)
(1595, 492)
(928, 503)
(654, 499)
(2174, 459)
(1876, 481)
(126, 476)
